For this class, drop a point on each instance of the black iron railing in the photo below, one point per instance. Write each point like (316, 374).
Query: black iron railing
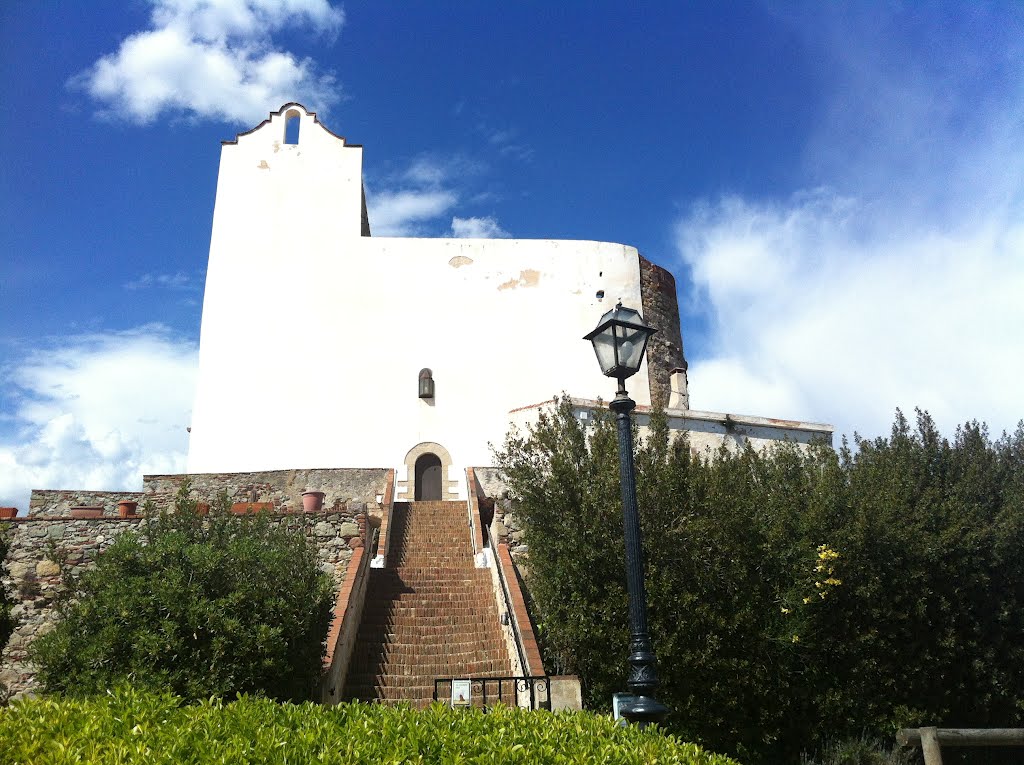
(533, 692)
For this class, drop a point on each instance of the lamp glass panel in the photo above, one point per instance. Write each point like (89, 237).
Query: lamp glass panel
(632, 343)
(604, 347)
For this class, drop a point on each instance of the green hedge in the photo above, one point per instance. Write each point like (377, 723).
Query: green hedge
(130, 726)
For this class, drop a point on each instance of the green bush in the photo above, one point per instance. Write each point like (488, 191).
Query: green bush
(794, 593)
(200, 606)
(862, 750)
(132, 727)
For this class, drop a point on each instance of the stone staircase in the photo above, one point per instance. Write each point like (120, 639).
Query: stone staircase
(430, 614)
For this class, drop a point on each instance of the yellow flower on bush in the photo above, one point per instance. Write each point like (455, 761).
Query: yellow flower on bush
(826, 553)
(826, 557)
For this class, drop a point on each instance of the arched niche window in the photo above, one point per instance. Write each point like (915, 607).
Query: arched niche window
(291, 127)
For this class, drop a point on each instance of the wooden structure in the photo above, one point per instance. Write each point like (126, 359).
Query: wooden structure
(932, 740)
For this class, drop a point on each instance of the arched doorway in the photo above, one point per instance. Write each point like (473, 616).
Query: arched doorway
(428, 477)
(428, 474)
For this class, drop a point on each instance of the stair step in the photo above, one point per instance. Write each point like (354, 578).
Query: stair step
(430, 614)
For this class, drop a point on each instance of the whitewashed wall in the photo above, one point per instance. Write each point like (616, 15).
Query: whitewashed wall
(313, 336)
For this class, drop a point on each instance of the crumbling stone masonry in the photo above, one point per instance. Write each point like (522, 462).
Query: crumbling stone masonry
(661, 310)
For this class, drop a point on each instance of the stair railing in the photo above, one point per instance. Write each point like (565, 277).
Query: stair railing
(473, 689)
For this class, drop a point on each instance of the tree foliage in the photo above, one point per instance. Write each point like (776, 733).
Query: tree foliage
(7, 621)
(200, 606)
(794, 594)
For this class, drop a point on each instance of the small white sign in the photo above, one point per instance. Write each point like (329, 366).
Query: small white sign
(619, 700)
(462, 693)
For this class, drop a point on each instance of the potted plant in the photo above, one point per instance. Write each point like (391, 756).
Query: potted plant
(127, 508)
(312, 501)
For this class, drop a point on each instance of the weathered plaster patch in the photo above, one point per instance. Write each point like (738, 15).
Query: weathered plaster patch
(460, 260)
(527, 278)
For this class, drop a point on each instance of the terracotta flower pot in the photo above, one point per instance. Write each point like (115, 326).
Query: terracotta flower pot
(202, 508)
(87, 512)
(312, 501)
(127, 508)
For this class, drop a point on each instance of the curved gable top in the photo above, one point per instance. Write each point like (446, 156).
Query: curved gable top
(279, 114)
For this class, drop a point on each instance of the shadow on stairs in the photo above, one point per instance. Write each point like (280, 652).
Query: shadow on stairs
(430, 614)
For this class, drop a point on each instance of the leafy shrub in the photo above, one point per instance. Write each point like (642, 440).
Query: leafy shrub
(201, 606)
(862, 750)
(792, 593)
(7, 621)
(132, 727)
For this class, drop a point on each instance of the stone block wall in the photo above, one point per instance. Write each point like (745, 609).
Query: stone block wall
(661, 311)
(34, 578)
(49, 542)
(57, 503)
(283, 488)
(505, 527)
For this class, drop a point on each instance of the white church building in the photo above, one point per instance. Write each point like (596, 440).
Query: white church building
(342, 374)
(324, 346)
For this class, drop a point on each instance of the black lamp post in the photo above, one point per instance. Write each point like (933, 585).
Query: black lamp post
(620, 340)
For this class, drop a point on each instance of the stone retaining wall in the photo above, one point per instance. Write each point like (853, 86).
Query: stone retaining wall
(49, 535)
(57, 503)
(505, 526)
(283, 488)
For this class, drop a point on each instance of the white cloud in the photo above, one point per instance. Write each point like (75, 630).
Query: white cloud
(401, 213)
(176, 281)
(412, 202)
(897, 284)
(427, 171)
(214, 59)
(96, 412)
(506, 141)
(478, 228)
(815, 317)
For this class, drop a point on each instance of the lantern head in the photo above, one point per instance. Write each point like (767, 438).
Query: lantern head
(620, 340)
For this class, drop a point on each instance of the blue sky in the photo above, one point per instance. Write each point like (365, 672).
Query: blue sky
(837, 187)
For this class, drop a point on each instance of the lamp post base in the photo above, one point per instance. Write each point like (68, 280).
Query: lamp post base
(642, 710)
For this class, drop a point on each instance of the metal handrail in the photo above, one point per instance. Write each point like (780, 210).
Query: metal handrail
(519, 684)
